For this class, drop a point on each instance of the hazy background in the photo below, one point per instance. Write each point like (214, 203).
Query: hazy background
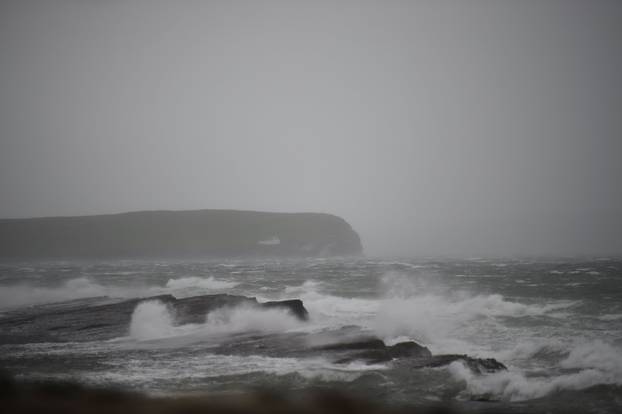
(442, 128)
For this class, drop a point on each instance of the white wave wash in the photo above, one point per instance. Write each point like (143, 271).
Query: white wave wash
(194, 282)
(448, 321)
(415, 309)
(595, 363)
(78, 288)
(611, 317)
(531, 350)
(445, 320)
(81, 288)
(150, 320)
(154, 320)
(330, 311)
(135, 372)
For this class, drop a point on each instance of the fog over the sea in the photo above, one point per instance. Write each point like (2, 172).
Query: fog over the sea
(433, 127)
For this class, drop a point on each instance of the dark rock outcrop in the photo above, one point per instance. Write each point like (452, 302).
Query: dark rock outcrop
(478, 365)
(362, 343)
(375, 351)
(409, 350)
(194, 309)
(198, 233)
(294, 306)
(81, 321)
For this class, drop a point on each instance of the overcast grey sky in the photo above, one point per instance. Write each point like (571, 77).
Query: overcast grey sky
(433, 127)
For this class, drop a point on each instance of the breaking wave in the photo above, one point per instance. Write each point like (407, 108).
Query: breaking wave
(209, 283)
(437, 317)
(589, 364)
(447, 321)
(82, 288)
(154, 320)
(79, 288)
(150, 320)
(330, 311)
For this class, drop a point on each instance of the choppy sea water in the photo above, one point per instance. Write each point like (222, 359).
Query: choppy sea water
(556, 324)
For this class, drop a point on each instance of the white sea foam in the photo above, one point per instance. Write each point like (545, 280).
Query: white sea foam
(530, 350)
(193, 282)
(249, 319)
(154, 320)
(151, 320)
(433, 315)
(593, 363)
(611, 317)
(79, 288)
(420, 310)
(213, 366)
(595, 354)
(327, 310)
(309, 286)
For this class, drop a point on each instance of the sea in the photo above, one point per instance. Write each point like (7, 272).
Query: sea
(555, 323)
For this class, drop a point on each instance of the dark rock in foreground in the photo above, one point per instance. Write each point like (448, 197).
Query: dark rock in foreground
(73, 398)
(198, 233)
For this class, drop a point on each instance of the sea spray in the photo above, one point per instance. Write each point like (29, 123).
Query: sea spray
(151, 320)
(155, 320)
(589, 364)
(248, 319)
(445, 319)
(193, 282)
(77, 288)
(22, 294)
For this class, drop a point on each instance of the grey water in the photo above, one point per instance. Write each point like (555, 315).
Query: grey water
(555, 323)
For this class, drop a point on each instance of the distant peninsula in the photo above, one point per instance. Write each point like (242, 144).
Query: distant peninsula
(169, 234)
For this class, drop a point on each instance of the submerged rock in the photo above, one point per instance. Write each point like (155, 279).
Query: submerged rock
(409, 349)
(477, 365)
(375, 351)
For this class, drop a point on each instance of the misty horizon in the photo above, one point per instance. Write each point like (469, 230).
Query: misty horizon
(433, 128)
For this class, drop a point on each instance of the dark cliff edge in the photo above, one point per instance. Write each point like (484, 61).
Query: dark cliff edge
(196, 233)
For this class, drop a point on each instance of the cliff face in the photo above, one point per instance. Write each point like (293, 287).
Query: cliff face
(198, 233)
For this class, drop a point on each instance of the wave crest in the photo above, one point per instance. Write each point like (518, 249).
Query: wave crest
(436, 316)
(192, 282)
(151, 320)
(155, 320)
(595, 363)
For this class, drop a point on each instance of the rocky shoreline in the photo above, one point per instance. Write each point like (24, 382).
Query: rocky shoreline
(111, 320)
